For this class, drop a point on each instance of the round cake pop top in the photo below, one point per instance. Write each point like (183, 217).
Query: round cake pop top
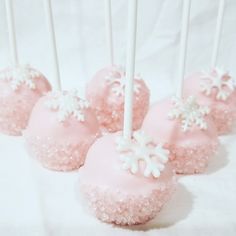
(131, 180)
(61, 129)
(105, 92)
(186, 129)
(21, 88)
(215, 89)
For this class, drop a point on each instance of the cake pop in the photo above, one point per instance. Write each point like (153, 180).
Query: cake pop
(21, 87)
(126, 178)
(215, 87)
(181, 124)
(60, 130)
(105, 92)
(62, 126)
(186, 130)
(217, 90)
(126, 183)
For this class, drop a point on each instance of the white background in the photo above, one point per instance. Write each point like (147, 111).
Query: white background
(34, 201)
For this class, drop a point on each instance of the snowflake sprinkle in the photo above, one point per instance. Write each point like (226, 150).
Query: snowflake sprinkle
(68, 104)
(190, 113)
(139, 150)
(119, 83)
(20, 75)
(219, 79)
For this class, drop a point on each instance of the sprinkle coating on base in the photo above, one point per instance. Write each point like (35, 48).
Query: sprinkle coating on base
(114, 206)
(224, 120)
(193, 160)
(111, 120)
(55, 156)
(12, 122)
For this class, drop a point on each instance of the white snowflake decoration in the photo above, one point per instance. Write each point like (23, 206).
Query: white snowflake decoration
(190, 113)
(219, 79)
(142, 149)
(19, 75)
(68, 104)
(119, 83)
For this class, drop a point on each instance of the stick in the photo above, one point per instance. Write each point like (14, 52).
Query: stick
(51, 31)
(130, 68)
(11, 32)
(109, 35)
(218, 33)
(183, 46)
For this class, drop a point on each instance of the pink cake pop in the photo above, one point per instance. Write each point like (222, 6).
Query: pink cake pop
(217, 90)
(130, 195)
(182, 125)
(62, 126)
(21, 86)
(105, 92)
(186, 129)
(61, 129)
(131, 180)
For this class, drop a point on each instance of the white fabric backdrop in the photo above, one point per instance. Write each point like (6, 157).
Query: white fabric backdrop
(34, 201)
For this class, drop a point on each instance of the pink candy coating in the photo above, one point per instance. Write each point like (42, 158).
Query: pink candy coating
(16, 105)
(59, 145)
(117, 196)
(109, 107)
(223, 112)
(190, 150)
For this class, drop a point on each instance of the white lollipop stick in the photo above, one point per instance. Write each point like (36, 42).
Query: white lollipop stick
(183, 46)
(218, 33)
(130, 67)
(11, 31)
(50, 24)
(109, 36)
